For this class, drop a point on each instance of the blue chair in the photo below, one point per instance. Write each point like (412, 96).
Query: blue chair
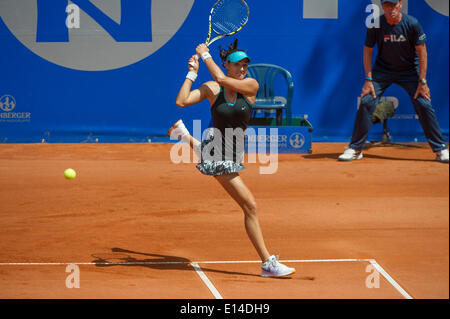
(265, 99)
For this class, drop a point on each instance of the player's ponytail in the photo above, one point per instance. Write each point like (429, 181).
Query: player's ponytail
(231, 49)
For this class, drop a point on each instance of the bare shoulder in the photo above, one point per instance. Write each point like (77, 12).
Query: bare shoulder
(212, 85)
(211, 90)
(253, 81)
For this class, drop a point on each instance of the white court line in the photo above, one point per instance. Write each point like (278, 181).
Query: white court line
(179, 262)
(206, 281)
(99, 263)
(390, 279)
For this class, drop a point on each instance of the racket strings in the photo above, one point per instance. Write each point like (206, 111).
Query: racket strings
(229, 16)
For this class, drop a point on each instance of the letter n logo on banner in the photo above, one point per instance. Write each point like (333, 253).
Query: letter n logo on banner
(135, 26)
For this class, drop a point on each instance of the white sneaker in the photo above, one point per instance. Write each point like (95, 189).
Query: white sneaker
(442, 156)
(272, 268)
(178, 130)
(350, 154)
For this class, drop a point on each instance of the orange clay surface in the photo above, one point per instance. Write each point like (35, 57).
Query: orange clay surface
(129, 203)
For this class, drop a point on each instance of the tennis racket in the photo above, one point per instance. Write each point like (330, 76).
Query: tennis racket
(227, 17)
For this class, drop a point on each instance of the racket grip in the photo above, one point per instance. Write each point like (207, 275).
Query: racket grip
(193, 64)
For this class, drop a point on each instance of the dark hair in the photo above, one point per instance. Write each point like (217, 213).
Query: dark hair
(231, 49)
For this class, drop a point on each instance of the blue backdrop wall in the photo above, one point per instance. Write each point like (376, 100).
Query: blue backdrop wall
(67, 82)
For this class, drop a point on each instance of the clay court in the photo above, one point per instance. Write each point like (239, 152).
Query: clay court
(139, 226)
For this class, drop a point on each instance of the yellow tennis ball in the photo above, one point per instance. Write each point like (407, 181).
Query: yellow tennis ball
(70, 173)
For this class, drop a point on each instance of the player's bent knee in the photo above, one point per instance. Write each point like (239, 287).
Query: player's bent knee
(250, 208)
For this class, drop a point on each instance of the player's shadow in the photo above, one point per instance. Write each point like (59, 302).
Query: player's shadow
(123, 257)
(157, 261)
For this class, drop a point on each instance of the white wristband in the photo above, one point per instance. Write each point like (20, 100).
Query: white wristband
(206, 55)
(191, 76)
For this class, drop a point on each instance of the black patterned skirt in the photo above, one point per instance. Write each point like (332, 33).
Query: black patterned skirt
(217, 165)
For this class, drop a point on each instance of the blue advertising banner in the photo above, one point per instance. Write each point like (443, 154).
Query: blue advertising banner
(285, 139)
(110, 70)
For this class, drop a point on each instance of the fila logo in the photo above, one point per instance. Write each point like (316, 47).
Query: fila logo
(394, 38)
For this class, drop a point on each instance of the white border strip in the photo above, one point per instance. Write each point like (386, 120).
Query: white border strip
(390, 279)
(206, 281)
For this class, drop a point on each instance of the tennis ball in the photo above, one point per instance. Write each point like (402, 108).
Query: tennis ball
(70, 173)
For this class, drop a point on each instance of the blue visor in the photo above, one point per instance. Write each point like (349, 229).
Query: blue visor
(237, 56)
(393, 1)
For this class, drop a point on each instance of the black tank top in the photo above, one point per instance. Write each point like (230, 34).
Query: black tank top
(232, 116)
(227, 115)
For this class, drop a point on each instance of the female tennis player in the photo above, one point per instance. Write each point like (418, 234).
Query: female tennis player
(231, 97)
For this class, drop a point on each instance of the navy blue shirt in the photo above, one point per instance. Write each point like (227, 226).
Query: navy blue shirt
(396, 44)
